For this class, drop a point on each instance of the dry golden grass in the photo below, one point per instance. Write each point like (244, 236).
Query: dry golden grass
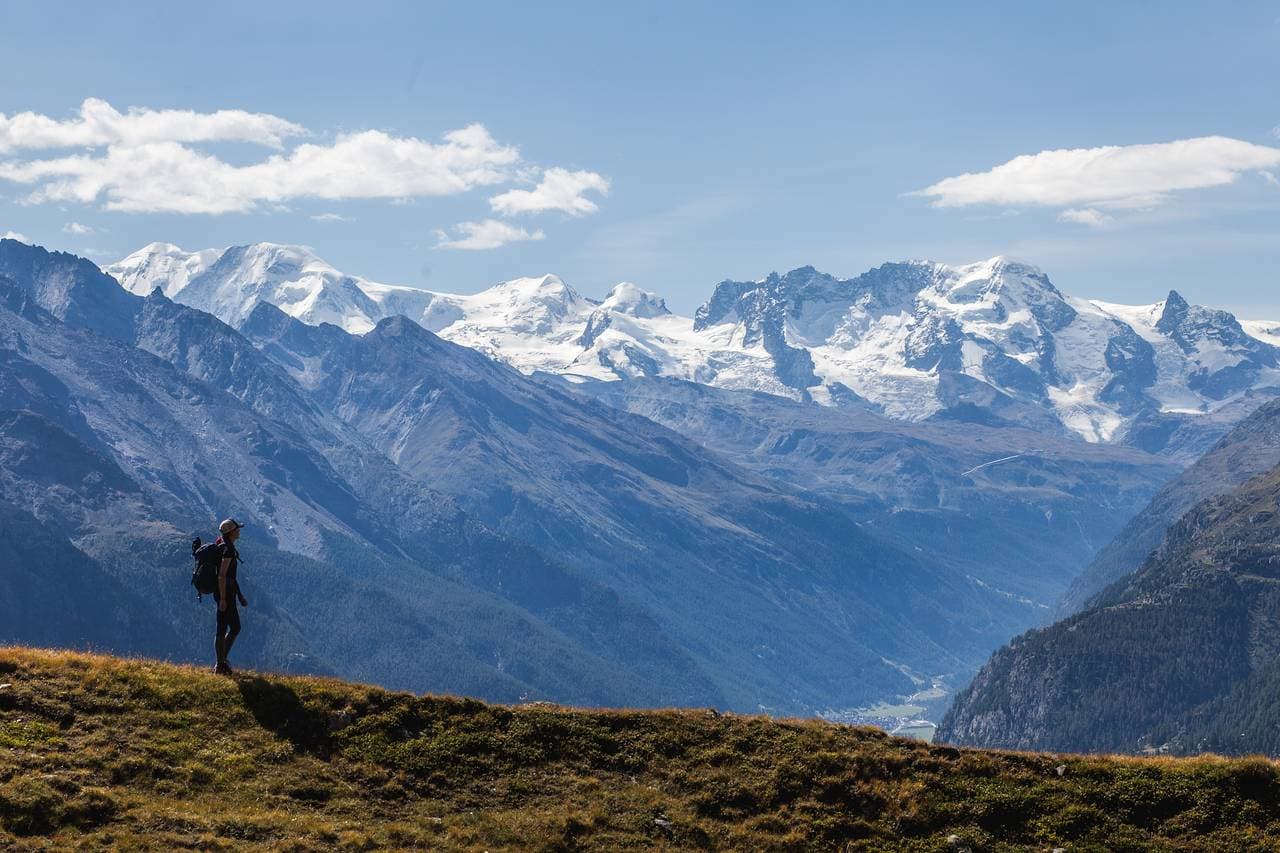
(100, 752)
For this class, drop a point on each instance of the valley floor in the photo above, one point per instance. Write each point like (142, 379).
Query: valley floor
(101, 752)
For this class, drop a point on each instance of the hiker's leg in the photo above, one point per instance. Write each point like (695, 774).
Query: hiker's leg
(220, 645)
(233, 628)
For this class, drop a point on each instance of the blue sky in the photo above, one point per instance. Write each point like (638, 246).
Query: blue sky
(733, 139)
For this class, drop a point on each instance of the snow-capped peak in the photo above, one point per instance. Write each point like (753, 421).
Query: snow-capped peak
(545, 290)
(536, 305)
(162, 265)
(1002, 276)
(627, 298)
(231, 282)
(1005, 263)
(993, 339)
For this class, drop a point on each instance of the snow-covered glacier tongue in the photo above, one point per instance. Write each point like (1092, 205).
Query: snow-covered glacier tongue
(993, 342)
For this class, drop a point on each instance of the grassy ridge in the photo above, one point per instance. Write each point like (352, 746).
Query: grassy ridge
(104, 752)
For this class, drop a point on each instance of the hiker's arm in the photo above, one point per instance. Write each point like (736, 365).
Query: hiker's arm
(222, 582)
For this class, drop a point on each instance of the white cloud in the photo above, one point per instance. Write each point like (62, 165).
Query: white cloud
(1090, 216)
(1114, 176)
(161, 161)
(559, 189)
(14, 235)
(100, 124)
(170, 177)
(1270, 177)
(489, 234)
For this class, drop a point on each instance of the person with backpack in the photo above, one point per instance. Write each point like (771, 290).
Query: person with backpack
(215, 572)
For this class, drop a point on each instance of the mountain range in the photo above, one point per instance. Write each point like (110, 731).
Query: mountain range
(499, 495)
(992, 342)
(781, 593)
(421, 515)
(924, 484)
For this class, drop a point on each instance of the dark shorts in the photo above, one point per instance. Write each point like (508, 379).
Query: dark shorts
(228, 620)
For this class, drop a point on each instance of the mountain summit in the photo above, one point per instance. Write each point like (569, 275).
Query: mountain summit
(994, 342)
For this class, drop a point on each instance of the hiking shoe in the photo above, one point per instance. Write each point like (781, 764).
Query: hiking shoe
(222, 669)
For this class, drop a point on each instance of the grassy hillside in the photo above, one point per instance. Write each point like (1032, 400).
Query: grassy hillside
(103, 752)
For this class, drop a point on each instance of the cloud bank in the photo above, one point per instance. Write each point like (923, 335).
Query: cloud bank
(170, 177)
(1113, 177)
(159, 161)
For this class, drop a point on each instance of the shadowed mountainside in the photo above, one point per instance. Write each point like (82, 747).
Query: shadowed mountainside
(1250, 448)
(1179, 656)
(1018, 510)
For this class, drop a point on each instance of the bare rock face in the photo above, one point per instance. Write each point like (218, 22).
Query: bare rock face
(72, 289)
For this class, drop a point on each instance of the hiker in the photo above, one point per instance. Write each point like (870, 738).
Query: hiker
(226, 594)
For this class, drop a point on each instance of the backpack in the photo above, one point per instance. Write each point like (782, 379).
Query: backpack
(204, 577)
